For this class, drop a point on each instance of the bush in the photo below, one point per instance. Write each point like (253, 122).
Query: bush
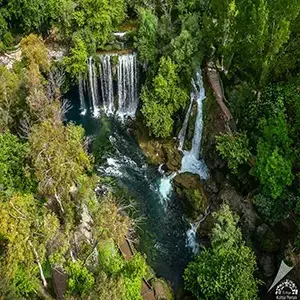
(233, 148)
(80, 280)
(163, 100)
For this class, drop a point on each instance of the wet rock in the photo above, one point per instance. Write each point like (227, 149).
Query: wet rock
(204, 230)
(153, 151)
(267, 265)
(162, 152)
(172, 155)
(266, 238)
(190, 190)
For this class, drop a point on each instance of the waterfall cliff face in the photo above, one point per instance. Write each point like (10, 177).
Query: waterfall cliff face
(108, 95)
(190, 161)
(93, 87)
(127, 86)
(182, 133)
(81, 96)
(107, 87)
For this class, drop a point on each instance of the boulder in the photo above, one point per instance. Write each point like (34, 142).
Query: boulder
(190, 190)
(162, 152)
(266, 239)
(153, 151)
(172, 155)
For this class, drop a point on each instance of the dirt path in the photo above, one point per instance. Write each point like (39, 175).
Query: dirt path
(215, 83)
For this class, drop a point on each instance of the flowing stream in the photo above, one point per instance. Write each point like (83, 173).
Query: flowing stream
(163, 227)
(166, 237)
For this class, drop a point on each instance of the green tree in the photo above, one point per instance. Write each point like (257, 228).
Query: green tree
(273, 164)
(234, 148)
(225, 271)
(146, 39)
(26, 228)
(163, 100)
(80, 280)
(13, 172)
(59, 159)
(76, 62)
(133, 273)
(10, 98)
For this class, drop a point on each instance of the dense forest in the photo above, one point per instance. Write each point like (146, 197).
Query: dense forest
(149, 75)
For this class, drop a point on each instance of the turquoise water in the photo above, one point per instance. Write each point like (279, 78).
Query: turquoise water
(163, 228)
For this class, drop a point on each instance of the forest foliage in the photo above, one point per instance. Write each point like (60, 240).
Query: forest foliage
(226, 270)
(47, 178)
(47, 182)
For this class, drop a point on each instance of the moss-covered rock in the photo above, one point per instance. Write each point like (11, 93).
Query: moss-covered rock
(190, 190)
(162, 288)
(159, 151)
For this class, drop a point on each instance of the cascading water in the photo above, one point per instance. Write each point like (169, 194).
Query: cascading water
(191, 234)
(190, 161)
(166, 187)
(182, 133)
(165, 235)
(93, 87)
(106, 81)
(163, 230)
(81, 96)
(127, 86)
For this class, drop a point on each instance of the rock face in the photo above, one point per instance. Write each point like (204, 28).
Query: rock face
(243, 207)
(190, 190)
(266, 239)
(9, 58)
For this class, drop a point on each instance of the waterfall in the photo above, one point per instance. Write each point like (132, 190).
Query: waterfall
(191, 234)
(190, 161)
(191, 238)
(165, 186)
(127, 86)
(182, 133)
(106, 81)
(127, 83)
(81, 96)
(160, 169)
(93, 87)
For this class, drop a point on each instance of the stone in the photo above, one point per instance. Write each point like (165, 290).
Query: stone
(190, 191)
(172, 155)
(266, 238)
